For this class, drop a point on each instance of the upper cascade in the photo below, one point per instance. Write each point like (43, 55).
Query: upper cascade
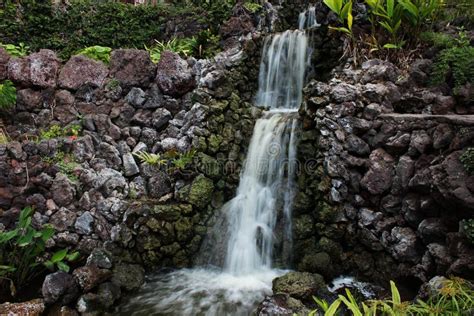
(282, 70)
(307, 19)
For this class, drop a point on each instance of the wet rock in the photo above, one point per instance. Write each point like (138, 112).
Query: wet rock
(300, 285)
(89, 304)
(81, 71)
(90, 276)
(132, 67)
(60, 287)
(379, 177)
(174, 76)
(404, 244)
(108, 293)
(282, 305)
(128, 276)
(30, 308)
(84, 223)
(63, 190)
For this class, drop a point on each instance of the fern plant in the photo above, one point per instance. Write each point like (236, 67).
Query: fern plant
(151, 159)
(182, 46)
(7, 95)
(455, 65)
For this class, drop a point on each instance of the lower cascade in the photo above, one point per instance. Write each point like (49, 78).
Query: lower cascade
(258, 219)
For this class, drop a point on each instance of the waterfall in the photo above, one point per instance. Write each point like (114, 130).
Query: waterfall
(307, 19)
(264, 198)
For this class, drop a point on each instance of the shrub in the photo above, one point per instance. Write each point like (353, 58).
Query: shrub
(182, 46)
(56, 131)
(467, 159)
(22, 252)
(454, 65)
(7, 95)
(467, 228)
(66, 164)
(99, 53)
(438, 40)
(16, 51)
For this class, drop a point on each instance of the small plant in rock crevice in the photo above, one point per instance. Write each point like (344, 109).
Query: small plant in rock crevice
(99, 53)
(65, 163)
(16, 51)
(56, 131)
(182, 46)
(23, 252)
(467, 159)
(150, 158)
(7, 95)
(467, 229)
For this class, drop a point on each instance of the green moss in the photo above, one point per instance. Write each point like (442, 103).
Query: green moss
(467, 159)
(324, 212)
(454, 66)
(467, 228)
(200, 193)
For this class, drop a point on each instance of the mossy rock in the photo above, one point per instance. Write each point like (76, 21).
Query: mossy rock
(317, 263)
(303, 227)
(325, 212)
(200, 192)
(184, 229)
(300, 285)
(213, 143)
(209, 166)
(171, 212)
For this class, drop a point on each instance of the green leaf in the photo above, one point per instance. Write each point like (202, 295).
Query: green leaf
(334, 5)
(59, 255)
(391, 46)
(346, 9)
(332, 310)
(395, 294)
(47, 232)
(25, 217)
(410, 7)
(63, 266)
(73, 256)
(27, 238)
(341, 29)
(49, 265)
(390, 7)
(7, 236)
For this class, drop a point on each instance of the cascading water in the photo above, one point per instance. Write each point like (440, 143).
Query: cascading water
(265, 191)
(307, 19)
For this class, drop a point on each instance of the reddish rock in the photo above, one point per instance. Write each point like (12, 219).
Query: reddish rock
(80, 71)
(39, 69)
(30, 308)
(379, 177)
(28, 99)
(237, 26)
(4, 58)
(174, 76)
(132, 67)
(89, 277)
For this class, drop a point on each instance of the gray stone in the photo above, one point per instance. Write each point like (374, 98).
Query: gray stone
(84, 223)
(128, 276)
(136, 97)
(129, 165)
(59, 287)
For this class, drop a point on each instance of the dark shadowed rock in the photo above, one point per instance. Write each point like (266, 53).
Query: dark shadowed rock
(28, 99)
(174, 76)
(128, 276)
(159, 185)
(132, 67)
(4, 58)
(356, 145)
(63, 219)
(60, 287)
(63, 190)
(379, 177)
(378, 70)
(404, 244)
(442, 136)
(237, 26)
(81, 71)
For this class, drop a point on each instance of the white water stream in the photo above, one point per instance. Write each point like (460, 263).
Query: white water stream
(266, 189)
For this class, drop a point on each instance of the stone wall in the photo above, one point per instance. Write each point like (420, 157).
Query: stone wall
(382, 193)
(141, 213)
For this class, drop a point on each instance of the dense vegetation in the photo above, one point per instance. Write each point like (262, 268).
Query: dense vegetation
(86, 23)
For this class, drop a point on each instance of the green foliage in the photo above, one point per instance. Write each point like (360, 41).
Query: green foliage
(467, 228)
(182, 46)
(208, 44)
(343, 10)
(151, 159)
(65, 163)
(99, 53)
(456, 297)
(56, 131)
(467, 159)
(16, 51)
(59, 258)
(388, 14)
(438, 40)
(252, 7)
(418, 12)
(454, 65)
(7, 95)
(22, 248)
(183, 160)
(85, 23)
